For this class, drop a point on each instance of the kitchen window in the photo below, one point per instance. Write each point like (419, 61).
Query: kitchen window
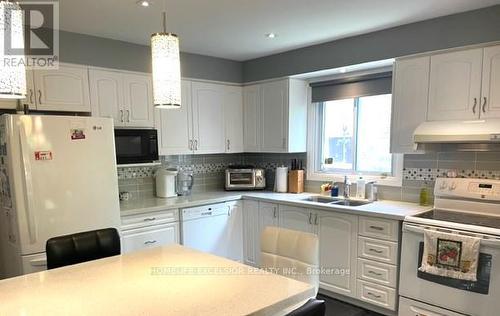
(351, 131)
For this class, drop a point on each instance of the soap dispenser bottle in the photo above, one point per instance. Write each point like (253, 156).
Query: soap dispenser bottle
(360, 188)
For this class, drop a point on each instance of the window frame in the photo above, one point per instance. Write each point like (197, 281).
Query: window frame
(314, 153)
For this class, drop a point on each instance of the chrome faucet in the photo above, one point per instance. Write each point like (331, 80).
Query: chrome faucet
(347, 187)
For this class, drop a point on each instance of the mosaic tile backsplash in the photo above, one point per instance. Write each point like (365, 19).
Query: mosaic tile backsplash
(208, 170)
(419, 170)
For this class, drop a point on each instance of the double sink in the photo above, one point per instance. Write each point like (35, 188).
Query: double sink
(335, 201)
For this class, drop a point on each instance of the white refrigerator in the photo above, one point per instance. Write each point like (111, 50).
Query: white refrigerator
(57, 176)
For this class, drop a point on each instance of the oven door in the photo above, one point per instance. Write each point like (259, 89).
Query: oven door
(472, 298)
(136, 146)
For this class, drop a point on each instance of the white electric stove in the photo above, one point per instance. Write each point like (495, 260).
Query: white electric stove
(462, 206)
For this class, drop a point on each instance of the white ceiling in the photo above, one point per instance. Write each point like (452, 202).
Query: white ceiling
(235, 29)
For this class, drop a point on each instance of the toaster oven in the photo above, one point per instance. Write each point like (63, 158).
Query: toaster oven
(245, 178)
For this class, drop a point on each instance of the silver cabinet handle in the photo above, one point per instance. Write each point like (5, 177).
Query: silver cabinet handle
(228, 142)
(121, 116)
(275, 215)
(316, 219)
(375, 273)
(149, 219)
(148, 242)
(310, 218)
(474, 106)
(190, 144)
(484, 104)
(377, 228)
(31, 96)
(374, 295)
(39, 96)
(195, 144)
(375, 250)
(128, 116)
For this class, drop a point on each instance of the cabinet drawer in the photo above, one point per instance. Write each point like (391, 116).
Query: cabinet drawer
(377, 294)
(379, 228)
(149, 237)
(376, 272)
(149, 219)
(378, 250)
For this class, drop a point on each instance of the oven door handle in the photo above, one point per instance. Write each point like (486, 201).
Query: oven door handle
(485, 240)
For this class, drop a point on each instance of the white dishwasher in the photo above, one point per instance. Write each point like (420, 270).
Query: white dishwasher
(211, 228)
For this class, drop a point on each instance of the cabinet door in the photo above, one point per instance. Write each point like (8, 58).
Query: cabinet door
(268, 215)
(174, 126)
(251, 118)
(208, 118)
(490, 101)
(11, 104)
(455, 85)
(150, 237)
(409, 103)
(338, 249)
(138, 99)
(106, 95)
(63, 89)
(233, 119)
(273, 117)
(234, 231)
(295, 218)
(251, 240)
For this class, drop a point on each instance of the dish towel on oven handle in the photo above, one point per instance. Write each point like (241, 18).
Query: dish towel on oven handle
(450, 255)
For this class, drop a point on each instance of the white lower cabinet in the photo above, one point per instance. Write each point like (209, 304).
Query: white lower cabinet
(150, 230)
(234, 231)
(250, 232)
(296, 218)
(148, 237)
(338, 234)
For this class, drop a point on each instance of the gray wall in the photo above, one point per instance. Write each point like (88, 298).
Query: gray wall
(467, 28)
(103, 52)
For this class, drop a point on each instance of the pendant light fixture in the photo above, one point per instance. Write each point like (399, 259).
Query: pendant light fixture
(166, 68)
(12, 70)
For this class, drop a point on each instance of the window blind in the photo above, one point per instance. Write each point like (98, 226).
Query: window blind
(366, 85)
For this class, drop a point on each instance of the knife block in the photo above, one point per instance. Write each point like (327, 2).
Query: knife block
(296, 181)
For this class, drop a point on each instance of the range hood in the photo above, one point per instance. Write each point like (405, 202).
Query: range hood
(477, 135)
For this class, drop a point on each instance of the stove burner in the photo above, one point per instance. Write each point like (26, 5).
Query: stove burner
(462, 218)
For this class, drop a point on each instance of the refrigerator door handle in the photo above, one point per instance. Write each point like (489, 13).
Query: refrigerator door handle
(29, 185)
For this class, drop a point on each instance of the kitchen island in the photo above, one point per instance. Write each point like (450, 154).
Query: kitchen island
(170, 280)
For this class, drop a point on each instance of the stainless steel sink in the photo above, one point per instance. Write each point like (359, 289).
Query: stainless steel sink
(351, 202)
(322, 199)
(335, 201)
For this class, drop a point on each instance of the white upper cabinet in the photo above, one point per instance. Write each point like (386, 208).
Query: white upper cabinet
(30, 99)
(490, 96)
(409, 101)
(455, 85)
(138, 100)
(233, 119)
(275, 116)
(125, 97)
(106, 95)
(63, 89)
(251, 116)
(174, 126)
(208, 118)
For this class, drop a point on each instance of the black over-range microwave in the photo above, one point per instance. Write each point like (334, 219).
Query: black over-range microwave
(136, 145)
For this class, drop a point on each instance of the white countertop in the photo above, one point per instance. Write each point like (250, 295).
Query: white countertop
(387, 209)
(143, 283)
